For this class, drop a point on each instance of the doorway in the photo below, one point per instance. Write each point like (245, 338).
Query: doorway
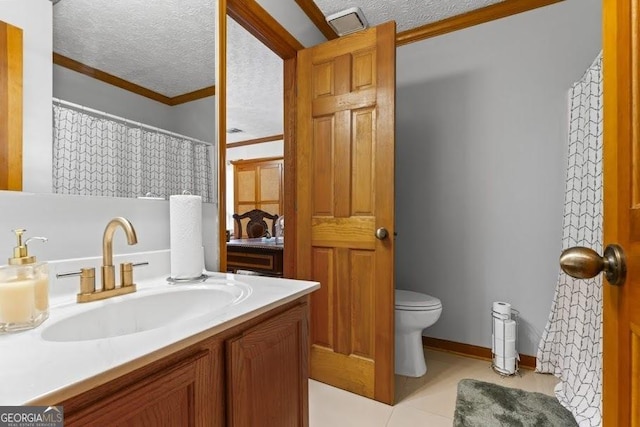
(252, 18)
(254, 155)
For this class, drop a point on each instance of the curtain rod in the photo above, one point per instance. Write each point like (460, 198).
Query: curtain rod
(127, 121)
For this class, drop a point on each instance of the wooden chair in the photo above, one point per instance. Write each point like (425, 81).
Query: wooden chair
(257, 226)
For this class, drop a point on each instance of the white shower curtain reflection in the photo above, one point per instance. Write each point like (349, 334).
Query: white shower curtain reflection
(96, 154)
(571, 345)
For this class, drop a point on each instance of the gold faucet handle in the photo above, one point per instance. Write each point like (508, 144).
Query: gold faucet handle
(126, 272)
(87, 279)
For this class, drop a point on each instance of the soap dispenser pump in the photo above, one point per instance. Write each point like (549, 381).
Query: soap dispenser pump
(24, 288)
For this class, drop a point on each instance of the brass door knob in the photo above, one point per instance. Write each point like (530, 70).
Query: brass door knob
(585, 263)
(381, 233)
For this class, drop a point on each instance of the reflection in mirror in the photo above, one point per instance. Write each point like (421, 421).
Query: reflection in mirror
(254, 122)
(134, 108)
(254, 107)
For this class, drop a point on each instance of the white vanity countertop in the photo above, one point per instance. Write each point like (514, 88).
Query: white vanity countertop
(36, 371)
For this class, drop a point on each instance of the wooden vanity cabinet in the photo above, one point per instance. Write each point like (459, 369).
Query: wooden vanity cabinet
(176, 395)
(267, 373)
(255, 374)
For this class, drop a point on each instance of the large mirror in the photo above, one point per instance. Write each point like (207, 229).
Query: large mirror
(153, 64)
(134, 104)
(254, 107)
(254, 155)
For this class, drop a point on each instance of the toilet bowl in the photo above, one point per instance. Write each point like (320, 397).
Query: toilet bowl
(414, 312)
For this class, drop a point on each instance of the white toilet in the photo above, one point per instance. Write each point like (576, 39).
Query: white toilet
(414, 312)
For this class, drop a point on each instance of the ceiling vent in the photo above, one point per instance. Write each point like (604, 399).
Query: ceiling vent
(234, 130)
(348, 21)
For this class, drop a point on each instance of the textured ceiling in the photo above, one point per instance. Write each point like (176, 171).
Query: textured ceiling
(168, 46)
(407, 13)
(254, 86)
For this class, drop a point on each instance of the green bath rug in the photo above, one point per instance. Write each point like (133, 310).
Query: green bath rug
(482, 404)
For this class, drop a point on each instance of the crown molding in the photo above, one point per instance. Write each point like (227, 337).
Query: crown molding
(470, 19)
(205, 92)
(255, 141)
(105, 77)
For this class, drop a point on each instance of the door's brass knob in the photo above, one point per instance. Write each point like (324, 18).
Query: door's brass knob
(585, 263)
(381, 233)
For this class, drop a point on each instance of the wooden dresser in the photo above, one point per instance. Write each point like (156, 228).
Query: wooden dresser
(255, 255)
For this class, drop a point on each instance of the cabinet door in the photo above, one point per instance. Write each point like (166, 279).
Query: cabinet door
(258, 184)
(267, 373)
(174, 397)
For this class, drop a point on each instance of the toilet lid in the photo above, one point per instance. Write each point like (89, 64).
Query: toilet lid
(414, 300)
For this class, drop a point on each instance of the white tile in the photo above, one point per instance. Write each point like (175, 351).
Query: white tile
(332, 407)
(404, 416)
(438, 400)
(428, 400)
(530, 381)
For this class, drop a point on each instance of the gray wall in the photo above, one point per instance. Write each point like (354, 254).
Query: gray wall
(481, 157)
(74, 225)
(195, 119)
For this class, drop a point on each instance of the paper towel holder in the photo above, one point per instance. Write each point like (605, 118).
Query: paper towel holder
(514, 315)
(187, 280)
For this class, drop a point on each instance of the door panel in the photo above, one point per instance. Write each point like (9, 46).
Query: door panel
(621, 327)
(363, 161)
(246, 186)
(322, 299)
(258, 184)
(362, 297)
(323, 167)
(270, 182)
(345, 190)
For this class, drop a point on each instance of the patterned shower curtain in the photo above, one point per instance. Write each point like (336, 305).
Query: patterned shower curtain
(571, 345)
(95, 155)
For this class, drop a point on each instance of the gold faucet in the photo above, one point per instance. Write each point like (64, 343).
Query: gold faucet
(88, 290)
(108, 270)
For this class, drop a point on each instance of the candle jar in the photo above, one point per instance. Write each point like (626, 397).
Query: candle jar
(24, 289)
(24, 296)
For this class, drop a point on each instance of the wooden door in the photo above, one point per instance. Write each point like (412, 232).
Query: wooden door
(621, 335)
(345, 192)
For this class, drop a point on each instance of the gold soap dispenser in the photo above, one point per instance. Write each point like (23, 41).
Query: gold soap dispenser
(24, 289)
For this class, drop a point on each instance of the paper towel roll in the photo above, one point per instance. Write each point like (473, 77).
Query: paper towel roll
(185, 223)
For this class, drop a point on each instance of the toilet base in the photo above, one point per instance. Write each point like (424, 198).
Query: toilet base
(410, 355)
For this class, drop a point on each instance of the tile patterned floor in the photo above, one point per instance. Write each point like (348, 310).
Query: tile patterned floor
(426, 401)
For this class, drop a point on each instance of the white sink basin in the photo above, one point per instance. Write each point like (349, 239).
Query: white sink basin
(143, 311)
